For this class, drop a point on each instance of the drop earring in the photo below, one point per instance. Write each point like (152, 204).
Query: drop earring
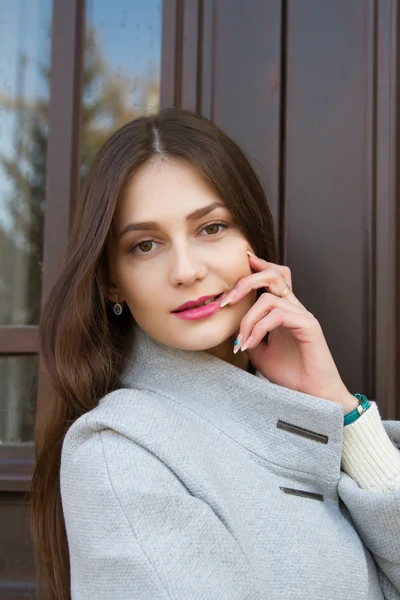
(117, 308)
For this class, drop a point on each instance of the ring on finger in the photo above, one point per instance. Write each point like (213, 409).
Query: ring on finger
(285, 291)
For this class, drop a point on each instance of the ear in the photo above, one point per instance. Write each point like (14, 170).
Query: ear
(113, 294)
(110, 287)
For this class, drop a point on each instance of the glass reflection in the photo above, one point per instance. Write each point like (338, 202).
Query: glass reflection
(17, 397)
(24, 95)
(121, 68)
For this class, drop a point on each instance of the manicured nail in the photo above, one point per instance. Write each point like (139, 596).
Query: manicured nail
(247, 344)
(250, 254)
(228, 298)
(237, 343)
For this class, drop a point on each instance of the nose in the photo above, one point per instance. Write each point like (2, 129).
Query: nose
(187, 266)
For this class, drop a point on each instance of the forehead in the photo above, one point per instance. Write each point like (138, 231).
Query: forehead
(163, 188)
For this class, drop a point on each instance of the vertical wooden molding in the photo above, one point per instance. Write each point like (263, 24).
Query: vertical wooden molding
(180, 54)
(63, 156)
(280, 216)
(397, 233)
(169, 59)
(369, 233)
(190, 52)
(386, 200)
(206, 58)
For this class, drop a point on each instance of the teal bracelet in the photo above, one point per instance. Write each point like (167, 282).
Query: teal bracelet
(363, 405)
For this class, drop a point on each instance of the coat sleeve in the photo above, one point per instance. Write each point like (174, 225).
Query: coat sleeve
(376, 512)
(135, 531)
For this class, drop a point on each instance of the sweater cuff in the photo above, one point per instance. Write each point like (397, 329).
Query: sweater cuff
(368, 454)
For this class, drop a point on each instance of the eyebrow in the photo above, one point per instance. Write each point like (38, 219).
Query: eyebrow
(151, 225)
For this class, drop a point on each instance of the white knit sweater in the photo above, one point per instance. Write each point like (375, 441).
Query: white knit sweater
(368, 454)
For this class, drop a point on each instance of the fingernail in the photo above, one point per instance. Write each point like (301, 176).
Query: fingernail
(251, 254)
(237, 343)
(247, 344)
(228, 298)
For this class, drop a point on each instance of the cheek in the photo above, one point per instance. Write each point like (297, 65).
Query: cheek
(239, 268)
(135, 283)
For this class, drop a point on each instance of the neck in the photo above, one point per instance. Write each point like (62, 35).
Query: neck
(224, 351)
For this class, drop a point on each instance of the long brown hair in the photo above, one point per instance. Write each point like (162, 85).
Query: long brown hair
(82, 343)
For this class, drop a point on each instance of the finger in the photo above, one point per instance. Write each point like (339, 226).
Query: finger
(300, 324)
(269, 278)
(277, 287)
(260, 309)
(259, 264)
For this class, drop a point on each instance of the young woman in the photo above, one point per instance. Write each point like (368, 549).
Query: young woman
(201, 443)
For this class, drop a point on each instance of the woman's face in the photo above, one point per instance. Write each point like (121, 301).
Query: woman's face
(176, 242)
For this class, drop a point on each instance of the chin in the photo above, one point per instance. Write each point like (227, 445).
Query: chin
(195, 341)
(195, 335)
(204, 338)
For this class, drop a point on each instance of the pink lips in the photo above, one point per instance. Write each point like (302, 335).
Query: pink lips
(189, 311)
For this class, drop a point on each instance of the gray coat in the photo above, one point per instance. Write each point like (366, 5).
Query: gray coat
(202, 481)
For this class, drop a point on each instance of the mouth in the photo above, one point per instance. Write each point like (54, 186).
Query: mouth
(200, 308)
(203, 301)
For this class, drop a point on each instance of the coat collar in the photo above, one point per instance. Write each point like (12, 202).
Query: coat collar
(243, 406)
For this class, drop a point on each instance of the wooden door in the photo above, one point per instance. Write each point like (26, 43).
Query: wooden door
(309, 88)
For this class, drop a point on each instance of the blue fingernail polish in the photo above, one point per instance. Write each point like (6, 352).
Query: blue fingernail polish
(237, 343)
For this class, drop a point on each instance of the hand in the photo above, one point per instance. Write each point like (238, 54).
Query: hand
(296, 355)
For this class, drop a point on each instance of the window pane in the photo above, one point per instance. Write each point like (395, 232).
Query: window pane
(24, 95)
(17, 397)
(121, 68)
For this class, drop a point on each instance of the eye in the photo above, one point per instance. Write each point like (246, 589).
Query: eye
(143, 247)
(214, 228)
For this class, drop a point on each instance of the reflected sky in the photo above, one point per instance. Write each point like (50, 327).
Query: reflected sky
(128, 33)
(141, 20)
(24, 42)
